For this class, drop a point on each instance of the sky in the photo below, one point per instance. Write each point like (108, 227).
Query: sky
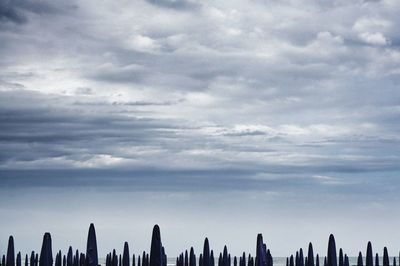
(210, 118)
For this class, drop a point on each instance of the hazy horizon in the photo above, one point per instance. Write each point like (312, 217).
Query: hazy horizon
(218, 119)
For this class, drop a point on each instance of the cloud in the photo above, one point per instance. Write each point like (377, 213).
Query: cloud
(176, 4)
(374, 38)
(17, 11)
(258, 88)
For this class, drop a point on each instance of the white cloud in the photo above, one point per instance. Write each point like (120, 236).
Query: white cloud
(376, 38)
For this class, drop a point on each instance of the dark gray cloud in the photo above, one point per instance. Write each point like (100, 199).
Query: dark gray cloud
(176, 4)
(16, 11)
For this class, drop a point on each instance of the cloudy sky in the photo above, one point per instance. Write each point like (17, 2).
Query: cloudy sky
(211, 118)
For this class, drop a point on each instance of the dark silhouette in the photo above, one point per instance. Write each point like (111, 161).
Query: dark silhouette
(10, 260)
(192, 257)
(341, 259)
(125, 256)
(158, 257)
(19, 260)
(310, 255)
(332, 259)
(369, 260)
(359, 259)
(91, 248)
(346, 260)
(46, 254)
(385, 257)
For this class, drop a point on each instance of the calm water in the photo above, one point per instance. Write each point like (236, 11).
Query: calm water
(278, 261)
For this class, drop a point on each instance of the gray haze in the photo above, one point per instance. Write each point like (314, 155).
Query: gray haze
(211, 118)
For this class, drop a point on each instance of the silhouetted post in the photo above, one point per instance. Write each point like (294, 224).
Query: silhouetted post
(235, 261)
(301, 257)
(346, 260)
(58, 259)
(201, 260)
(36, 259)
(26, 260)
(212, 261)
(359, 259)
(138, 260)
(291, 261)
(385, 257)
(3, 260)
(46, 254)
(156, 258)
(186, 258)
(192, 257)
(317, 260)
(32, 259)
(251, 261)
(225, 260)
(144, 259)
(133, 260)
(206, 253)
(394, 261)
(10, 260)
(108, 259)
(126, 256)
(332, 259)
(310, 256)
(341, 259)
(261, 256)
(376, 259)
(76, 258)
(369, 260)
(64, 261)
(242, 260)
(19, 260)
(114, 259)
(82, 260)
(91, 257)
(69, 257)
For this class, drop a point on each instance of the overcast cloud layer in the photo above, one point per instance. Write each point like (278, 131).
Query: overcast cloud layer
(280, 106)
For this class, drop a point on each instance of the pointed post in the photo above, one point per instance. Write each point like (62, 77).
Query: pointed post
(385, 257)
(359, 259)
(341, 259)
(46, 253)
(369, 260)
(192, 258)
(156, 247)
(206, 253)
(346, 260)
(126, 256)
(19, 259)
(310, 255)
(10, 260)
(332, 259)
(91, 257)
